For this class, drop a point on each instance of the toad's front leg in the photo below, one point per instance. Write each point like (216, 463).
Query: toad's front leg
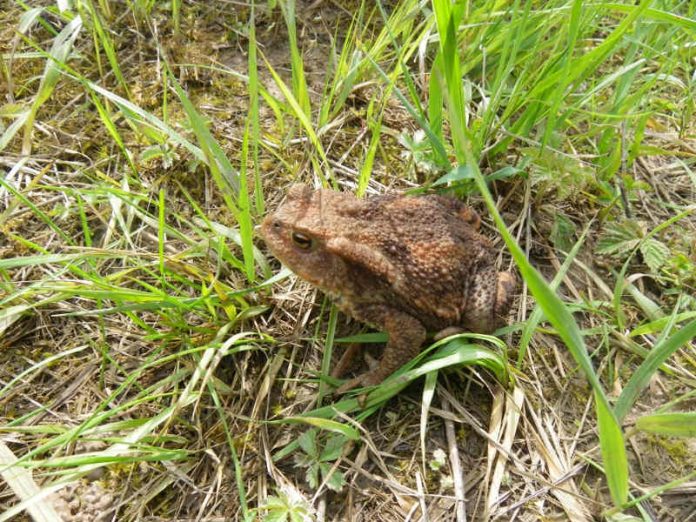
(406, 335)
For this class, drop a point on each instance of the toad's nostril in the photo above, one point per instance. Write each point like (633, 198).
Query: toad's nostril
(276, 225)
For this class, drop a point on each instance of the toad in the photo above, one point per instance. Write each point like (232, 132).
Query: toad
(404, 264)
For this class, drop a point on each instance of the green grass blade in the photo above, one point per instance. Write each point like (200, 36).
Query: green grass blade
(253, 120)
(375, 135)
(221, 168)
(40, 214)
(659, 324)
(107, 44)
(613, 450)
(669, 424)
(436, 142)
(238, 468)
(141, 117)
(448, 17)
(560, 91)
(553, 307)
(452, 352)
(652, 493)
(533, 320)
(344, 74)
(299, 81)
(658, 15)
(112, 129)
(161, 237)
(246, 227)
(61, 48)
(436, 98)
(176, 15)
(657, 356)
(324, 424)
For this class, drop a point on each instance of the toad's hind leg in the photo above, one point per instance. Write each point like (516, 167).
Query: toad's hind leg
(505, 293)
(489, 299)
(406, 335)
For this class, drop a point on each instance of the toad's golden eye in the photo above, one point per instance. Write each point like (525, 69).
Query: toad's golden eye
(301, 240)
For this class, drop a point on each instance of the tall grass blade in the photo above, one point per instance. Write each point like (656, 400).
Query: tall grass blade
(342, 77)
(439, 149)
(533, 320)
(560, 90)
(176, 15)
(299, 82)
(142, 117)
(448, 16)
(60, 50)
(107, 44)
(253, 125)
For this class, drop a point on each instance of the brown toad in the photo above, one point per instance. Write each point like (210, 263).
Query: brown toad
(403, 264)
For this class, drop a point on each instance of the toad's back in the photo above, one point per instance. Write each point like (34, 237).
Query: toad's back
(432, 247)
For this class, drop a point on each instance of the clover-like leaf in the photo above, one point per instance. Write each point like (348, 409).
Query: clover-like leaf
(655, 254)
(308, 443)
(619, 238)
(335, 479)
(334, 448)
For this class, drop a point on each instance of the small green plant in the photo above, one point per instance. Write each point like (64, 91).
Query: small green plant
(419, 152)
(288, 506)
(318, 458)
(681, 270)
(620, 238)
(552, 171)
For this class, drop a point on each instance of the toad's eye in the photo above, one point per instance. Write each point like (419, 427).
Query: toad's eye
(301, 240)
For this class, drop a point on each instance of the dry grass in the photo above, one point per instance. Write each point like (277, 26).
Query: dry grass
(147, 368)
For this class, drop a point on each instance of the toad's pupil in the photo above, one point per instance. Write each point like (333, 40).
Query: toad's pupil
(301, 240)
